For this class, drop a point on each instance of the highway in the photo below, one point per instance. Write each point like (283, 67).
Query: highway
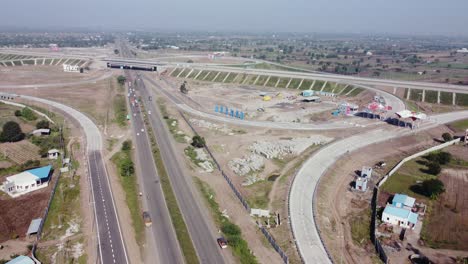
(162, 241)
(200, 226)
(302, 194)
(111, 245)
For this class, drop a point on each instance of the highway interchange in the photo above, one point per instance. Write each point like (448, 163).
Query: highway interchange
(111, 245)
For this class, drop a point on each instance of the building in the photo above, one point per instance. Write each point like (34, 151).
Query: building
(21, 260)
(53, 154)
(41, 131)
(403, 201)
(307, 93)
(463, 50)
(400, 213)
(363, 179)
(27, 181)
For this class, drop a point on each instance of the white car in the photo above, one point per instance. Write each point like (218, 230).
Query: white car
(149, 112)
(142, 130)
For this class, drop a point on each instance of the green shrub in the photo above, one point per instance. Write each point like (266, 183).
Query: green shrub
(433, 168)
(126, 145)
(433, 188)
(18, 113)
(198, 142)
(28, 114)
(447, 137)
(42, 124)
(121, 79)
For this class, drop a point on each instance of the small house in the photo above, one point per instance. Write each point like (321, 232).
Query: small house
(27, 181)
(399, 216)
(307, 93)
(53, 154)
(399, 212)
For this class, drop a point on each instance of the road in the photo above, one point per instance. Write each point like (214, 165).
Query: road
(303, 190)
(201, 228)
(111, 246)
(162, 241)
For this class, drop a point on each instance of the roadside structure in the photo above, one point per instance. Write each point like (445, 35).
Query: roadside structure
(363, 179)
(21, 260)
(27, 181)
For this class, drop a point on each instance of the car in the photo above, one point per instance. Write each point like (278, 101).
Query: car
(149, 112)
(147, 219)
(222, 242)
(142, 130)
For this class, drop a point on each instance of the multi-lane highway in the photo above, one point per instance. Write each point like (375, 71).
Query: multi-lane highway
(111, 245)
(201, 228)
(163, 246)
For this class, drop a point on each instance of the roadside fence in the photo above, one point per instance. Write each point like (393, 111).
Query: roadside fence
(239, 196)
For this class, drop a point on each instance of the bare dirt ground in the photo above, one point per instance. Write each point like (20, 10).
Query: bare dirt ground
(20, 152)
(14, 247)
(286, 105)
(16, 214)
(337, 204)
(449, 220)
(30, 74)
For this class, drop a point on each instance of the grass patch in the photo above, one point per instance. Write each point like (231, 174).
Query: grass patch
(356, 91)
(172, 124)
(328, 87)
(211, 76)
(120, 110)
(461, 99)
(283, 82)
(193, 74)
(416, 95)
(231, 77)
(129, 184)
(221, 77)
(176, 216)
(176, 72)
(430, 97)
(272, 81)
(259, 192)
(231, 231)
(62, 210)
(461, 125)
(446, 98)
(294, 83)
(360, 227)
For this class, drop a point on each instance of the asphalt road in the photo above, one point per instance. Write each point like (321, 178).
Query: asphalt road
(201, 229)
(163, 246)
(303, 190)
(111, 246)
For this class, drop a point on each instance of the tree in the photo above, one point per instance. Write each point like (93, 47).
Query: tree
(198, 142)
(121, 79)
(116, 51)
(42, 124)
(433, 188)
(433, 168)
(444, 157)
(11, 132)
(447, 137)
(183, 88)
(18, 113)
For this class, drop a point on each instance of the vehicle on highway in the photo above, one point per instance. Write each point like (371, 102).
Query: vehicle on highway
(222, 242)
(147, 219)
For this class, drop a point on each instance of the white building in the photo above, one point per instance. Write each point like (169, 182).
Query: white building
(53, 154)
(399, 212)
(463, 50)
(27, 181)
(363, 179)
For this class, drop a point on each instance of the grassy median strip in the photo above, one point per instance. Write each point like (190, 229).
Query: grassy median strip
(180, 227)
(232, 232)
(126, 169)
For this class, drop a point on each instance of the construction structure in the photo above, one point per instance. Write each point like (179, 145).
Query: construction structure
(363, 179)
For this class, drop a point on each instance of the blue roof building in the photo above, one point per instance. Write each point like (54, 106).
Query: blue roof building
(399, 212)
(42, 172)
(21, 260)
(403, 201)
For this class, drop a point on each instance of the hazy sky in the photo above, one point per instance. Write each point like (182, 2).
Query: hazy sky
(334, 16)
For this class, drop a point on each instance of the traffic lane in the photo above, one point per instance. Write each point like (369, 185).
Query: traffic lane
(203, 238)
(162, 230)
(111, 243)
